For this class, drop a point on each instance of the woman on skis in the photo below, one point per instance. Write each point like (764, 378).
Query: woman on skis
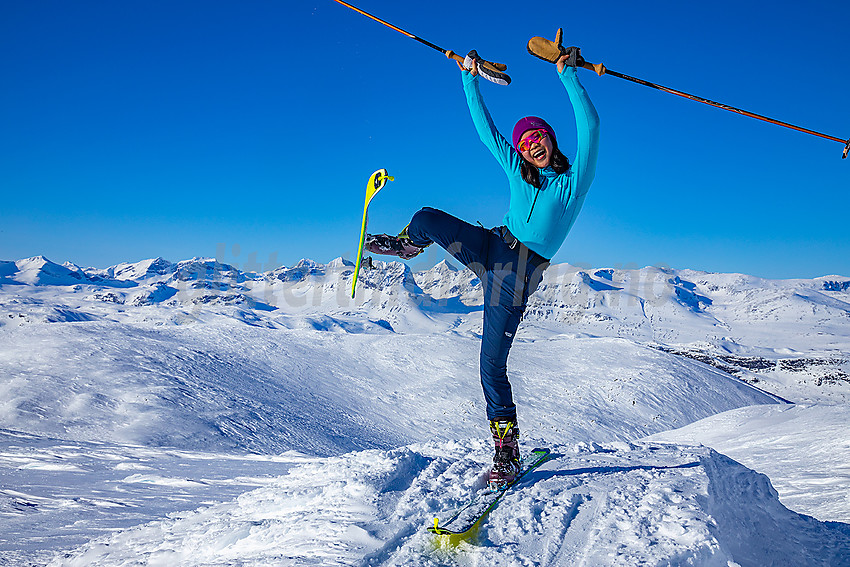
(546, 195)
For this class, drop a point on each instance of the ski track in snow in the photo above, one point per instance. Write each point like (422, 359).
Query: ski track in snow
(192, 414)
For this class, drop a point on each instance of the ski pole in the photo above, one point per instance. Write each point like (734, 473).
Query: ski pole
(495, 67)
(600, 70)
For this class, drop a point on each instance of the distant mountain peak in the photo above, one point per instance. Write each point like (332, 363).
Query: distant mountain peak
(38, 270)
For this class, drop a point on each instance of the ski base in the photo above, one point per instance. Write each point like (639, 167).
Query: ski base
(464, 520)
(376, 182)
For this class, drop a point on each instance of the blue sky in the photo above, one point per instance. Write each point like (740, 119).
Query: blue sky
(247, 130)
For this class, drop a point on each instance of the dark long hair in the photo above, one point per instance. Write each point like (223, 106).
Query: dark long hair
(531, 174)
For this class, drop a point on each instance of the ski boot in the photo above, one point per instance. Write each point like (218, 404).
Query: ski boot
(387, 245)
(506, 461)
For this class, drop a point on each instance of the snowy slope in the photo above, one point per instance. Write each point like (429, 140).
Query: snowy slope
(223, 386)
(150, 388)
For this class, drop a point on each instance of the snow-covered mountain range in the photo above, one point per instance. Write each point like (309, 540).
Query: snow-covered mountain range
(238, 417)
(652, 304)
(748, 326)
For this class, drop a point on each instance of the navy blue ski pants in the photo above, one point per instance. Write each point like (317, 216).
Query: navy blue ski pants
(509, 273)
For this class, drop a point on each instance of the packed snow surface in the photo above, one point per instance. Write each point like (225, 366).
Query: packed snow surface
(155, 413)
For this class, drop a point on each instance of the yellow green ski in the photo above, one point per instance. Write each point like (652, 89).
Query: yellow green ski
(465, 521)
(376, 182)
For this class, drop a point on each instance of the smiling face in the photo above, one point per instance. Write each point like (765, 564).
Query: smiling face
(535, 146)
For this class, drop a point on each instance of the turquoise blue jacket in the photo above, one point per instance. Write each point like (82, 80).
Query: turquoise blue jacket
(561, 196)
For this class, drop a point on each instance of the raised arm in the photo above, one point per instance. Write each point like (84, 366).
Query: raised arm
(587, 127)
(492, 138)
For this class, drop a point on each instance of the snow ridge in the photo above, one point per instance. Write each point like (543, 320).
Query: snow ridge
(619, 504)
